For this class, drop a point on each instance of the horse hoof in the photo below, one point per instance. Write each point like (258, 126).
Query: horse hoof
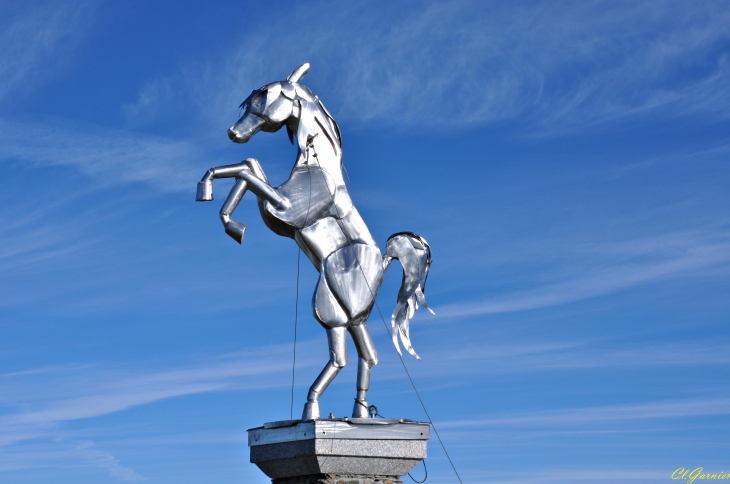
(311, 411)
(236, 230)
(204, 192)
(360, 410)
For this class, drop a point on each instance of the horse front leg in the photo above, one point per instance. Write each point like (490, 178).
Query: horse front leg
(205, 185)
(257, 183)
(249, 175)
(205, 194)
(233, 228)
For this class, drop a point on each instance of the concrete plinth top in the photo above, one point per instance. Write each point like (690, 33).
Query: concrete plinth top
(339, 428)
(346, 446)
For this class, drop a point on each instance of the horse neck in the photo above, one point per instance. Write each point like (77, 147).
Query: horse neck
(327, 150)
(328, 162)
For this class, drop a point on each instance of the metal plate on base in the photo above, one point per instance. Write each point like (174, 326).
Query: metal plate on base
(341, 428)
(337, 479)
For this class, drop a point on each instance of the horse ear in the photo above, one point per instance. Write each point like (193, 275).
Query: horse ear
(299, 73)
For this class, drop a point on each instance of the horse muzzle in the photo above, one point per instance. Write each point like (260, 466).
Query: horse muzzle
(235, 137)
(245, 128)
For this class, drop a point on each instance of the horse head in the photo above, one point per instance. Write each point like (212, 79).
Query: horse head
(282, 104)
(270, 108)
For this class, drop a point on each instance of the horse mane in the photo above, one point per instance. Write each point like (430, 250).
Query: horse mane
(321, 116)
(333, 123)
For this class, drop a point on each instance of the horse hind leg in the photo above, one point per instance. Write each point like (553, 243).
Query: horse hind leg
(337, 342)
(367, 358)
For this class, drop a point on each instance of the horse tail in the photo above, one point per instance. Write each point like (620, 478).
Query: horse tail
(414, 254)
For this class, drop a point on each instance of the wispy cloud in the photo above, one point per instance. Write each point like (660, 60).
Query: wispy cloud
(50, 396)
(109, 156)
(587, 416)
(612, 267)
(150, 101)
(62, 451)
(36, 40)
(582, 475)
(88, 451)
(510, 357)
(555, 66)
(29, 242)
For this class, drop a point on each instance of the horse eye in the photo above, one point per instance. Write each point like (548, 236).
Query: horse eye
(257, 103)
(255, 94)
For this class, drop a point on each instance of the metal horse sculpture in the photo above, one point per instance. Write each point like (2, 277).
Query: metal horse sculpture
(314, 208)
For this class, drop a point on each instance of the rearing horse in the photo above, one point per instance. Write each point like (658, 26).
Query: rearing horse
(314, 208)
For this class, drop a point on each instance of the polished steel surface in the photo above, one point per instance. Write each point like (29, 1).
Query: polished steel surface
(314, 208)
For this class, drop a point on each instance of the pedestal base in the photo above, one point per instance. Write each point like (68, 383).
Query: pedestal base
(338, 451)
(335, 479)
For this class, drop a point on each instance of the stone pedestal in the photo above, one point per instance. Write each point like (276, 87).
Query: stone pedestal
(338, 451)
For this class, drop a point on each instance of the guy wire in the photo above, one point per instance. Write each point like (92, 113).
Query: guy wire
(424, 470)
(296, 320)
(423, 405)
(296, 303)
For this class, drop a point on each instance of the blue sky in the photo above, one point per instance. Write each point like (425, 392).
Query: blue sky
(567, 162)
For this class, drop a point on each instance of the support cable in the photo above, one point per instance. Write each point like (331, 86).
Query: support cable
(296, 303)
(296, 321)
(413, 384)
